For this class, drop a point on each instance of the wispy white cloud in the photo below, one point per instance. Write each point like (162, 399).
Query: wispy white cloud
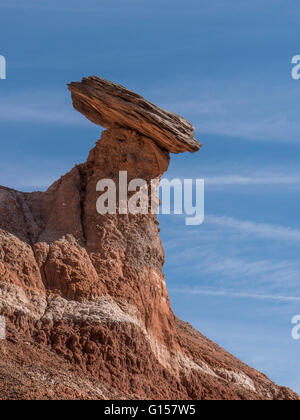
(270, 178)
(231, 253)
(232, 294)
(39, 107)
(241, 109)
(273, 128)
(221, 262)
(263, 179)
(260, 229)
(225, 225)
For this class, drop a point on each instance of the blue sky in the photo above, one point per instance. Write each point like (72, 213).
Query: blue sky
(225, 66)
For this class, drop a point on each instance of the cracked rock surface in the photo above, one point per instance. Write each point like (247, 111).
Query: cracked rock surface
(84, 296)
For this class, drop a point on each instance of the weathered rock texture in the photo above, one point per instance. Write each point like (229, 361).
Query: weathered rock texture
(111, 105)
(84, 296)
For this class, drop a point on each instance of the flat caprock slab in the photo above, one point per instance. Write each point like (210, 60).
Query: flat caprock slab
(110, 105)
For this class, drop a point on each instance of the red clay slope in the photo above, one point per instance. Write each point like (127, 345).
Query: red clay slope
(84, 296)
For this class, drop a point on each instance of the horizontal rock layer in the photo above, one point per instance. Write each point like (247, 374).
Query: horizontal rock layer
(111, 105)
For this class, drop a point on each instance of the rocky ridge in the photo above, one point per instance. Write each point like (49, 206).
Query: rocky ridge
(84, 294)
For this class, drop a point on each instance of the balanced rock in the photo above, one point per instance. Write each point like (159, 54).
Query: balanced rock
(111, 105)
(83, 294)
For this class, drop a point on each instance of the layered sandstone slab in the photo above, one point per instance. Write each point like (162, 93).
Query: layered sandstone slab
(111, 105)
(84, 295)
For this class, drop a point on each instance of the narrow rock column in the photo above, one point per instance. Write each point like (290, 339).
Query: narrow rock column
(126, 250)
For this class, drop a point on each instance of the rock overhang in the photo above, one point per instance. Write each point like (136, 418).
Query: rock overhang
(110, 105)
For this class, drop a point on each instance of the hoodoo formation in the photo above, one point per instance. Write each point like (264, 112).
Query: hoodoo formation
(83, 294)
(111, 105)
